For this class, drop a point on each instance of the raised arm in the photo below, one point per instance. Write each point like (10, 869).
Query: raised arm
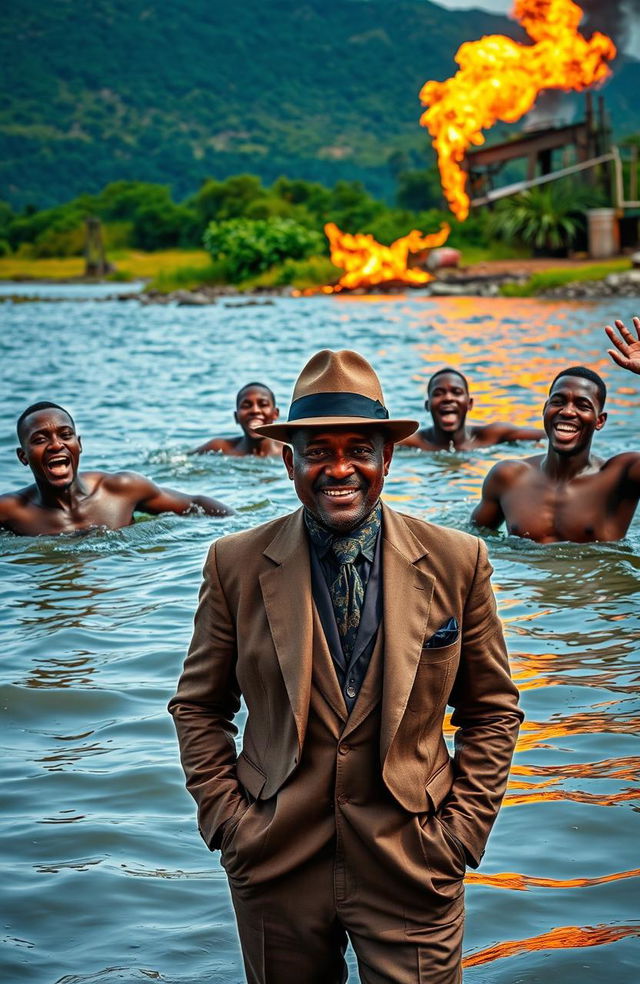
(627, 355)
(489, 512)
(151, 498)
(627, 348)
(215, 444)
(505, 433)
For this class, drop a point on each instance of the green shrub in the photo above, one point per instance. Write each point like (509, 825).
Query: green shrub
(60, 242)
(117, 235)
(250, 246)
(163, 225)
(547, 218)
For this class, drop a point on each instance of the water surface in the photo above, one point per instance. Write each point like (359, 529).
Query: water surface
(105, 878)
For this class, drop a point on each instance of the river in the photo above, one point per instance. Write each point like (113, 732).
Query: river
(105, 878)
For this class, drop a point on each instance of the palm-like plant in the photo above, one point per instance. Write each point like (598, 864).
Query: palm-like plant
(548, 217)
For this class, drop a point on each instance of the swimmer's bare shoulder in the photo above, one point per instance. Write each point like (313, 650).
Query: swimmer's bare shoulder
(143, 495)
(16, 507)
(420, 439)
(224, 445)
(500, 480)
(122, 482)
(141, 492)
(625, 468)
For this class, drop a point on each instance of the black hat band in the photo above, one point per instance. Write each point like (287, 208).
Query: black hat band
(337, 405)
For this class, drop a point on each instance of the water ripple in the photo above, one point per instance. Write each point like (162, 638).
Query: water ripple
(106, 879)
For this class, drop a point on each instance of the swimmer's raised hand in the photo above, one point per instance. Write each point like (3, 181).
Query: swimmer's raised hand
(627, 348)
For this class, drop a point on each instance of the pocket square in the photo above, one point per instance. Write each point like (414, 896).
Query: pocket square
(446, 634)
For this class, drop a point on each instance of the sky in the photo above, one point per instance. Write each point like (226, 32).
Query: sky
(495, 6)
(631, 42)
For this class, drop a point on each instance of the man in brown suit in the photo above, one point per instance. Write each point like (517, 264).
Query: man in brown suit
(346, 628)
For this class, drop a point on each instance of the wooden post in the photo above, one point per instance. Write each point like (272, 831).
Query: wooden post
(95, 262)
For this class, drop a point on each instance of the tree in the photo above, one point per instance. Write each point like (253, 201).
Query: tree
(230, 199)
(419, 190)
(250, 246)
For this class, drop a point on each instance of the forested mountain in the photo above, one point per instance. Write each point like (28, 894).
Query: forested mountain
(173, 93)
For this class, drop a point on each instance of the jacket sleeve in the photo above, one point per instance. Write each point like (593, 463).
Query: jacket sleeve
(207, 699)
(486, 716)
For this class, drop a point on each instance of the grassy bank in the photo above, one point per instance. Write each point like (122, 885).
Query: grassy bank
(548, 279)
(129, 265)
(174, 269)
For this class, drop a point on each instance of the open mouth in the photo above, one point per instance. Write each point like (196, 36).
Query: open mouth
(58, 465)
(256, 422)
(566, 430)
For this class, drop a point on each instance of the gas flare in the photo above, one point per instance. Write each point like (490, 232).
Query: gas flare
(368, 263)
(499, 79)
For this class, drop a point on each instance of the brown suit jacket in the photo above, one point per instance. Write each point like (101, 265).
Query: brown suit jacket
(253, 637)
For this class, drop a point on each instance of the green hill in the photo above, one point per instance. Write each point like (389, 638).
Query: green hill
(139, 89)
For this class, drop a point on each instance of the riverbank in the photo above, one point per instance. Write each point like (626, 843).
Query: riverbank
(567, 278)
(128, 265)
(571, 279)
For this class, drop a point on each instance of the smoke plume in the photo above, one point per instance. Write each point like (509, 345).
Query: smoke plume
(613, 17)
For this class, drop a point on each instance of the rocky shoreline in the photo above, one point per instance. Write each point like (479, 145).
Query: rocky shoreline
(614, 285)
(453, 283)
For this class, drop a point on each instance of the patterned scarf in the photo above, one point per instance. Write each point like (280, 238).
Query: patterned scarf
(347, 590)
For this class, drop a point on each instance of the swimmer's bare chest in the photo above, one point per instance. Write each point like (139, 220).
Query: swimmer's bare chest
(581, 511)
(99, 510)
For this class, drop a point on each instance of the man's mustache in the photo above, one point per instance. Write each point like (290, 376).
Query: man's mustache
(319, 486)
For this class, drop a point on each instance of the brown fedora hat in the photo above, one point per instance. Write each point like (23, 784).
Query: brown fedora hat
(336, 389)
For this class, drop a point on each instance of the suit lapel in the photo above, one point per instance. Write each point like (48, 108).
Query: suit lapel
(324, 672)
(286, 590)
(407, 592)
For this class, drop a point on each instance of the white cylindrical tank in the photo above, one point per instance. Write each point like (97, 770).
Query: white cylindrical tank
(604, 238)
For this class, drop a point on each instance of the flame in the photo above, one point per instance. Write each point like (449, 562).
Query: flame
(500, 80)
(368, 263)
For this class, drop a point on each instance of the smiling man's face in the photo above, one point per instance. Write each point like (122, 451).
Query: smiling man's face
(572, 414)
(255, 409)
(448, 401)
(50, 447)
(339, 473)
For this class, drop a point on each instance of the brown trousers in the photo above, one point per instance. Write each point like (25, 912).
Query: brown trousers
(333, 856)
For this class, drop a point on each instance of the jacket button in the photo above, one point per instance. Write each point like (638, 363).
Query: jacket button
(343, 749)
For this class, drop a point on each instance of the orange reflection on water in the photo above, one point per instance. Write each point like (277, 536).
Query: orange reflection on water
(555, 795)
(538, 734)
(621, 768)
(560, 938)
(512, 350)
(532, 670)
(516, 882)
(526, 682)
